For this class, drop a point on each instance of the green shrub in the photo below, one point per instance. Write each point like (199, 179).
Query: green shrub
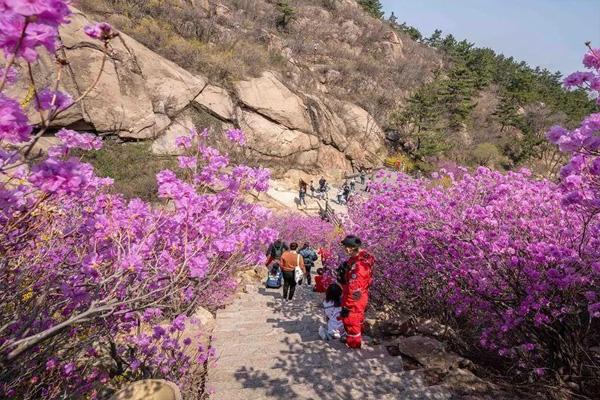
(132, 166)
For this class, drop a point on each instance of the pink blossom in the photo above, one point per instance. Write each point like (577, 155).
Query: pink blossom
(591, 59)
(555, 133)
(68, 368)
(595, 168)
(11, 75)
(189, 162)
(236, 136)
(578, 79)
(184, 142)
(62, 177)
(51, 364)
(101, 31)
(48, 99)
(75, 140)
(14, 127)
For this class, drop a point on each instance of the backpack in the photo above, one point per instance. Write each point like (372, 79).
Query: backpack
(298, 274)
(309, 256)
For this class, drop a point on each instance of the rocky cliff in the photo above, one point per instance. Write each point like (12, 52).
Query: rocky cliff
(143, 96)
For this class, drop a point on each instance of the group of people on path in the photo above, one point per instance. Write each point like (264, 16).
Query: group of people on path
(346, 290)
(322, 191)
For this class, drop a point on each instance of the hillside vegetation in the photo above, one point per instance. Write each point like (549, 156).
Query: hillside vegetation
(437, 97)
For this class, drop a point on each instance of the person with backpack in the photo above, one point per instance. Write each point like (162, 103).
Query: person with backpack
(275, 251)
(355, 276)
(290, 261)
(310, 256)
(302, 195)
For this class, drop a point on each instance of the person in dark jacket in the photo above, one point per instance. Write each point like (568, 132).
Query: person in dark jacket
(275, 251)
(346, 193)
(302, 196)
(310, 256)
(322, 183)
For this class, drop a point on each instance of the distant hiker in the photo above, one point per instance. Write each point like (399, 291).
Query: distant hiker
(363, 176)
(302, 195)
(346, 193)
(275, 251)
(312, 189)
(340, 196)
(289, 261)
(302, 185)
(333, 308)
(310, 256)
(356, 279)
(352, 184)
(322, 183)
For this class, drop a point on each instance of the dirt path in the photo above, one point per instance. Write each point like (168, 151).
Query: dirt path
(270, 350)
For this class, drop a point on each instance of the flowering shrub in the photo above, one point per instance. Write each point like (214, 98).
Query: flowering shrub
(97, 290)
(513, 264)
(301, 228)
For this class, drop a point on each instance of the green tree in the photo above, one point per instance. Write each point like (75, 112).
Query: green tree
(373, 7)
(286, 16)
(413, 32)
(420, 124)
(435, 40)
(456, 95)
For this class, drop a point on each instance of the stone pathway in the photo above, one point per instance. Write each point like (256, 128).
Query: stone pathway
(268, 350)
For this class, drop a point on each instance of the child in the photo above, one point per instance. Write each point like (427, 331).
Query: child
(333, 307)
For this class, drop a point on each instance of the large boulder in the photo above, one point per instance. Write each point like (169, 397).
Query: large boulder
(429, 352)
(135, 94)
(268, 96)
(165, 144)
(367, 139)
(326, 124)
(217, 101)
(273, 140)
(332, 161)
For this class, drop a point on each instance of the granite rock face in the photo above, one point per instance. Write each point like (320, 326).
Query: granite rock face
(142, 96)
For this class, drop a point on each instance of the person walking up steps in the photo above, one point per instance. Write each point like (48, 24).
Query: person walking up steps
(275, 251)
(309, 256)
(356, 278)
(289, 261)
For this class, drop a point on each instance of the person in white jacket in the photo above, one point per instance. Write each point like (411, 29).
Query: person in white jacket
(333, 307)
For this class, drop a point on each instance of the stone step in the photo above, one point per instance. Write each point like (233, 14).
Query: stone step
(268, 349)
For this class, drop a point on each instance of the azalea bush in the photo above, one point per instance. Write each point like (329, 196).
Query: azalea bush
(300, 228)
(512, 264)
(97, 290)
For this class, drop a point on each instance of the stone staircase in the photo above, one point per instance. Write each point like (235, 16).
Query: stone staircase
(270, 350)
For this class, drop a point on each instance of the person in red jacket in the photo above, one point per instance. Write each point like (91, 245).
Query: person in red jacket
(356, 276)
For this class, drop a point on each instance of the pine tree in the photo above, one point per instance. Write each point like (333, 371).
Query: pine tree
(435, 40)
(373, 7)
(456, 94)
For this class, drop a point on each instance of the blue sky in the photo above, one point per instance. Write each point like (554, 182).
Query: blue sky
(548, 33)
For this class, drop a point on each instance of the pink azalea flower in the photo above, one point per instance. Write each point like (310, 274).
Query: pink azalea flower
(101, 31)
(47, 99)
(14, 127)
